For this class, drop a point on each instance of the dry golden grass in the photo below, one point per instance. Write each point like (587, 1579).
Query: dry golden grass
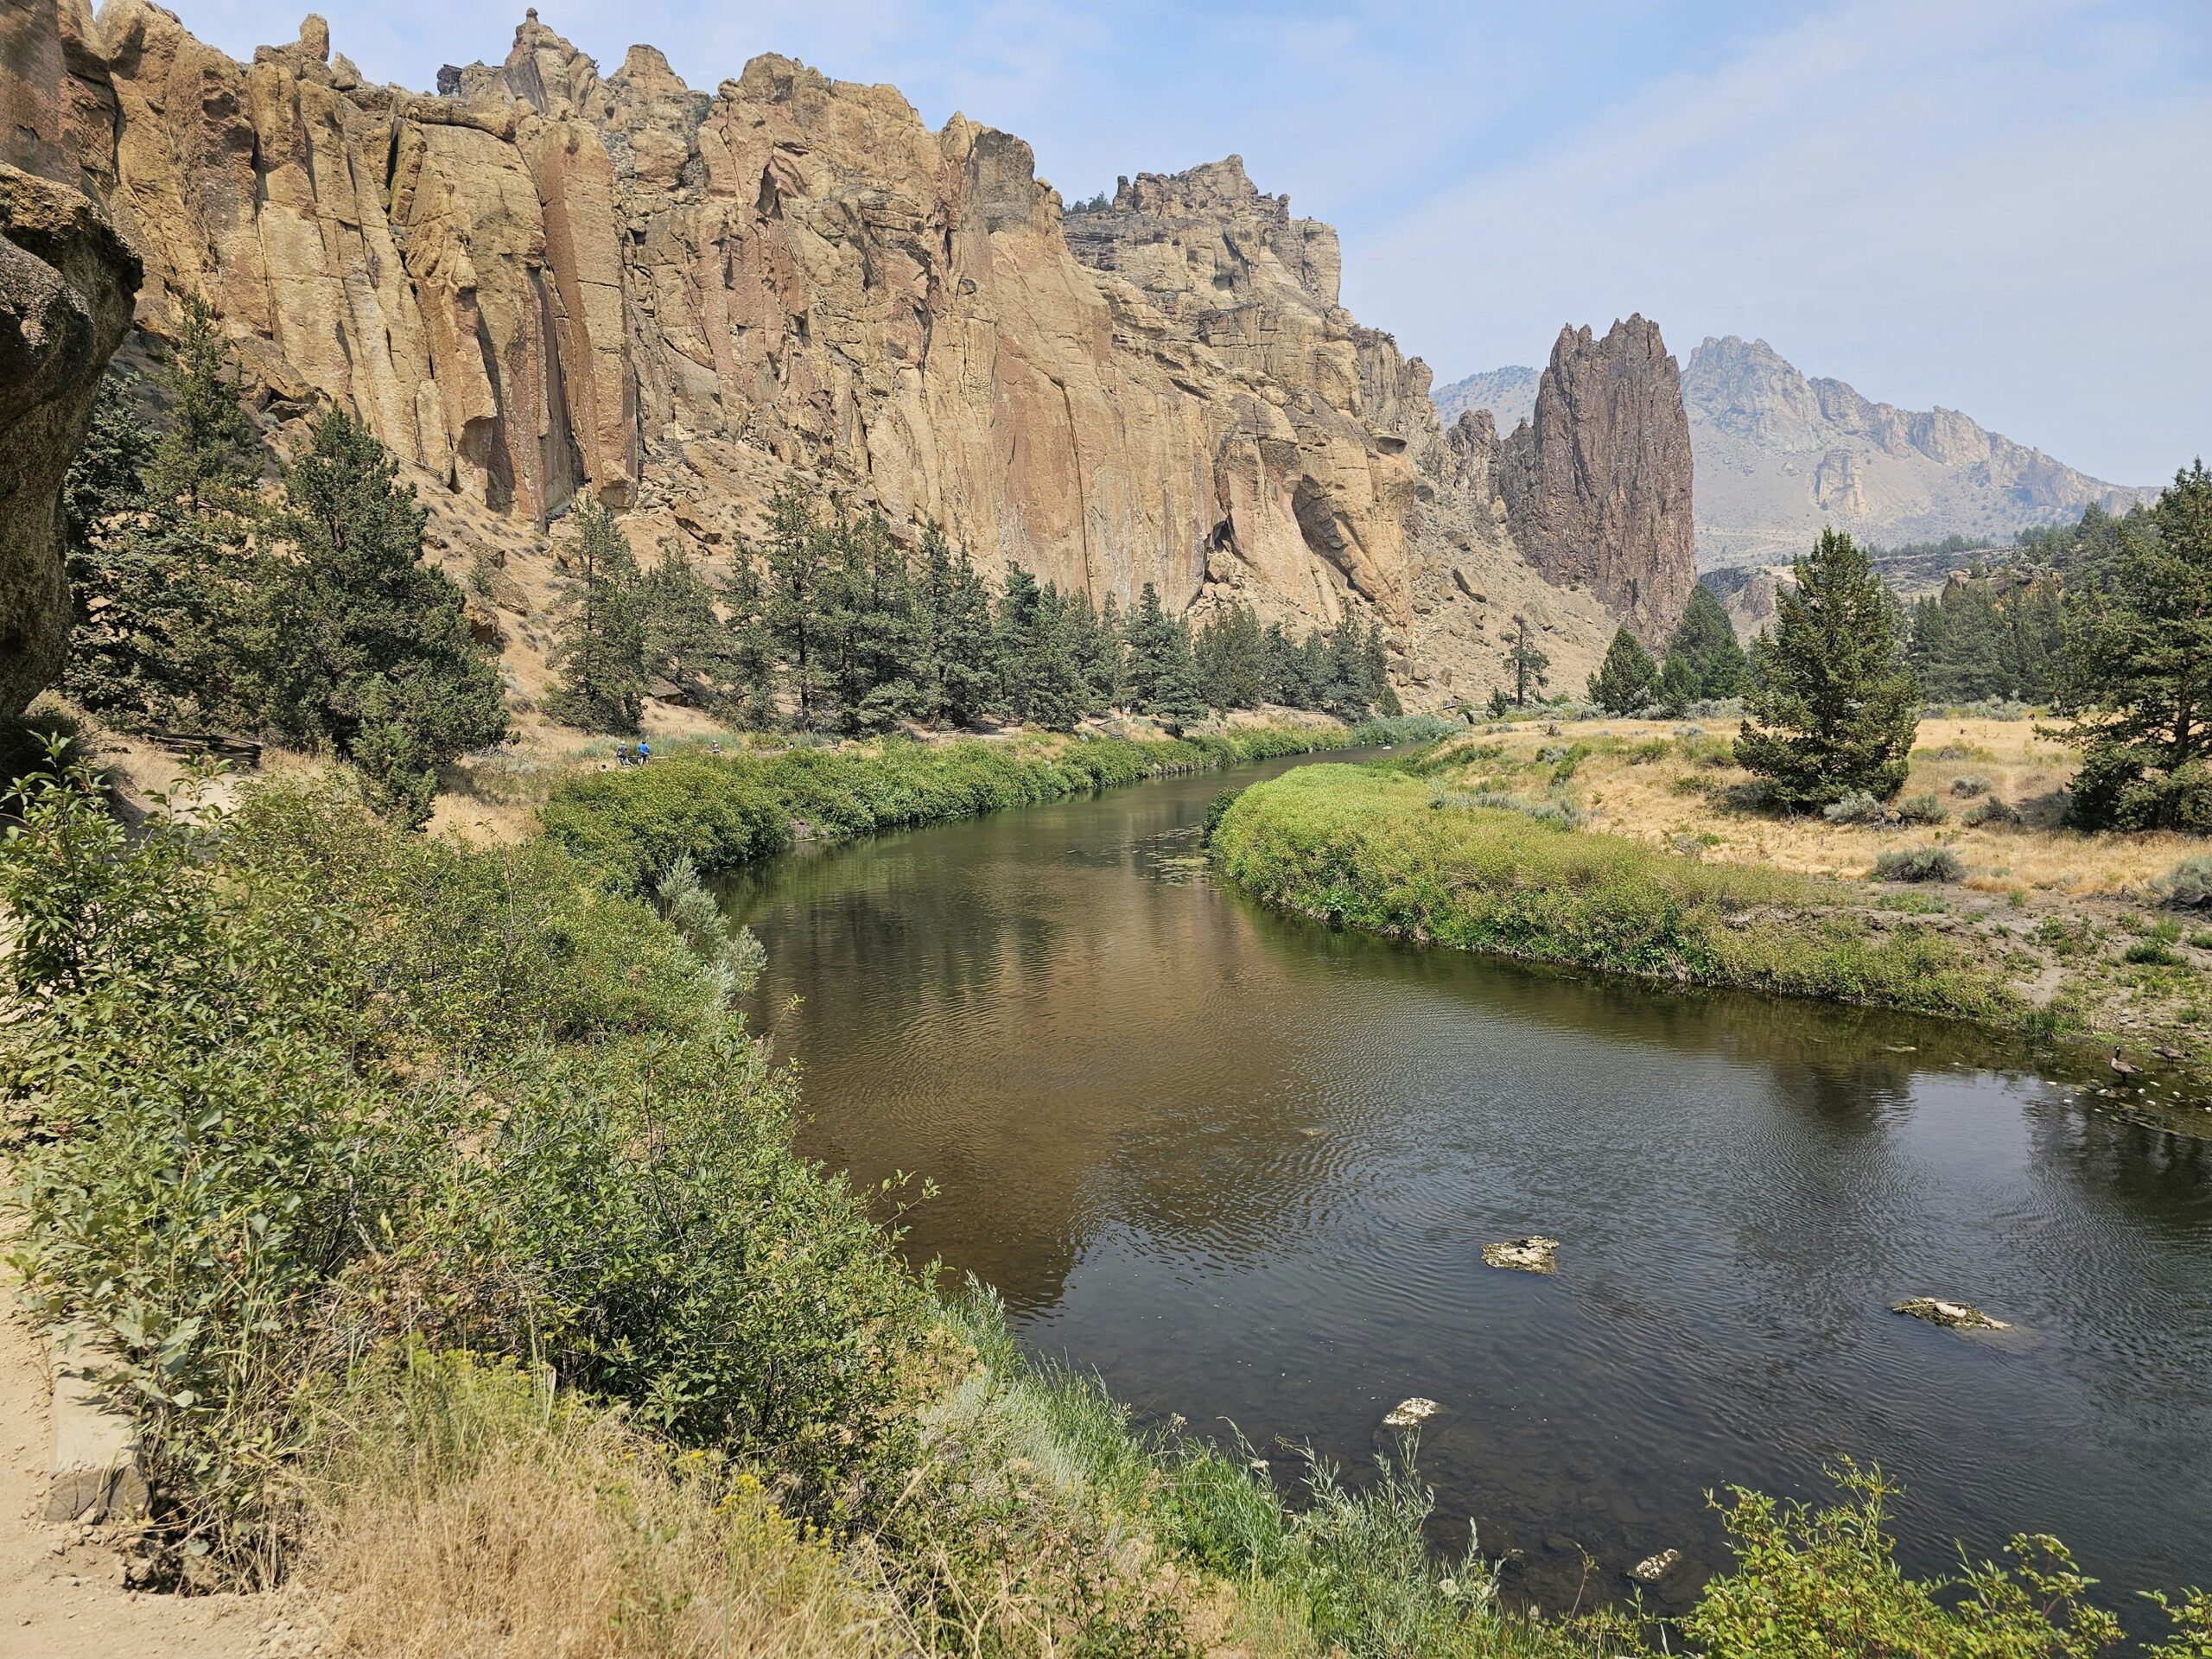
(1644, 802)
(479, 1523)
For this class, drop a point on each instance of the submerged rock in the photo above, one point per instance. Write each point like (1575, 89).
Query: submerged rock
(1652, 1568)
(1953, 1315)
(1532, 1255)
(1409, 1413)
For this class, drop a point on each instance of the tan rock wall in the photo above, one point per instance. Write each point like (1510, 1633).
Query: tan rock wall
(545, 281)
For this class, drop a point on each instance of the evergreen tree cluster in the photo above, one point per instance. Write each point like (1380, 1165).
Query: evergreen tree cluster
(198, 603)
(1971, 642)
(830, 624)
(1703, 661)
(2136, 674)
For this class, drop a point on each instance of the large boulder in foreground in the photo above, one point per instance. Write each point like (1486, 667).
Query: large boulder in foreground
(67, 284)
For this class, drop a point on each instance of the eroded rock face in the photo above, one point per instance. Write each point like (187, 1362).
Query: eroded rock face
(66, 286)
(543, 282)
(1598, 485)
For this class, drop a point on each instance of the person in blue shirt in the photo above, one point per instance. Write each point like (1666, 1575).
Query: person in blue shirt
(645, 751)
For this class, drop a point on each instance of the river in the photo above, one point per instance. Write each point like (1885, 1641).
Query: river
(1244, 1167)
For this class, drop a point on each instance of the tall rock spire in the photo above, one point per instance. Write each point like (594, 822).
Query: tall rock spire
(1598, 485)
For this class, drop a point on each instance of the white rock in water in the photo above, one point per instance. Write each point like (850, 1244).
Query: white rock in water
(1409, 1413)
(1532, 1255)
(1955, 1316)
(1652, 1568)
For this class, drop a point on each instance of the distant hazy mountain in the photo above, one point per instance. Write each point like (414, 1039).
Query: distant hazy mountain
(1509, 394)
(1780, 456)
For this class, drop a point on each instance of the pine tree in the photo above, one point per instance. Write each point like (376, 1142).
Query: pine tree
(600, 657)
(121, 661)
(355, 642)
(1678, 687)
(890, 645)
(1380, 692)
(1525, 664)
(1706, 639)
(2137, 674)
(158, 533)
(1148, 648)
(1627, 678)
(209, 455)
(964, 646)
(801, 575)
(1831, 703)
(1232, 658)
(684, 641)
(1345, 688)
(749, 672)
(1283, 670)
(1100, 653)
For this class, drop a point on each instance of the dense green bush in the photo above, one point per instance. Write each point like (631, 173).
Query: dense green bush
(302, 1083)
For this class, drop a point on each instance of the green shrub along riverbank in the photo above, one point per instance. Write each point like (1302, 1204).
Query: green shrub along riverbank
(439, 1217)
(1379, 849)
(726, 810)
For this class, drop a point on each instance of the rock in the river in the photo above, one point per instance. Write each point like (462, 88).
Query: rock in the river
(1652, 1568)
(1409, 1413)
(1954, 1316)
(1534, 1254)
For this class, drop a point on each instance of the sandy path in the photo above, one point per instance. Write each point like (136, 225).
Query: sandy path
(62, 1592)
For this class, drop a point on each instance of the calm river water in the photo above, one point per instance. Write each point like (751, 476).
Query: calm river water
(1244, 1167)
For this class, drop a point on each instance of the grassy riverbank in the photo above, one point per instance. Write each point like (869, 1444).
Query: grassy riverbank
(725, 811)
(1582, 845)
(1394, 854)
(440, 1219)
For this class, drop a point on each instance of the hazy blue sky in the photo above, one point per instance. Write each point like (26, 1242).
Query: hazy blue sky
(2001, 206)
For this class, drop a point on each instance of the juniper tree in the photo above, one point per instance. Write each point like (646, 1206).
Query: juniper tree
(1526, 665)
(354, 642)
(1627, 678)
(601, 657)
(1705, 640)
(798, 591)
(2137, 674)
(1832, 704)
(683, 637)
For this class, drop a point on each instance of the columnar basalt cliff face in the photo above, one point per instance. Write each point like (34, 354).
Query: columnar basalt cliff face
(1598, 485)
(543, 281)
(66, 288)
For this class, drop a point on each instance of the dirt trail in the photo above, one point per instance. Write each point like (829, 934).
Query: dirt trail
(61, 1590)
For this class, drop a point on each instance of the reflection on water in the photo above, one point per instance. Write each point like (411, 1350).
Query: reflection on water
(1244, 1167)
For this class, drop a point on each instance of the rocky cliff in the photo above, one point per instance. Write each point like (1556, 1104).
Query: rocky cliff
(1782, 456)
(542, 281)
(66, 288)
(1599, 485)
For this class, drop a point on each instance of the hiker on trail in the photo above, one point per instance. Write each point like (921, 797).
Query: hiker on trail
(622, 752)
(714, 746)
(645, 751)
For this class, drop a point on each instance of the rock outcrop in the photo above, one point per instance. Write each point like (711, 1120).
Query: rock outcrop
(1781, 457)
(66, 288)
(543, 280)
(1597, 485)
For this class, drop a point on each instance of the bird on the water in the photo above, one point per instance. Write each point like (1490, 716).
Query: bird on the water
(2122, 1066)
